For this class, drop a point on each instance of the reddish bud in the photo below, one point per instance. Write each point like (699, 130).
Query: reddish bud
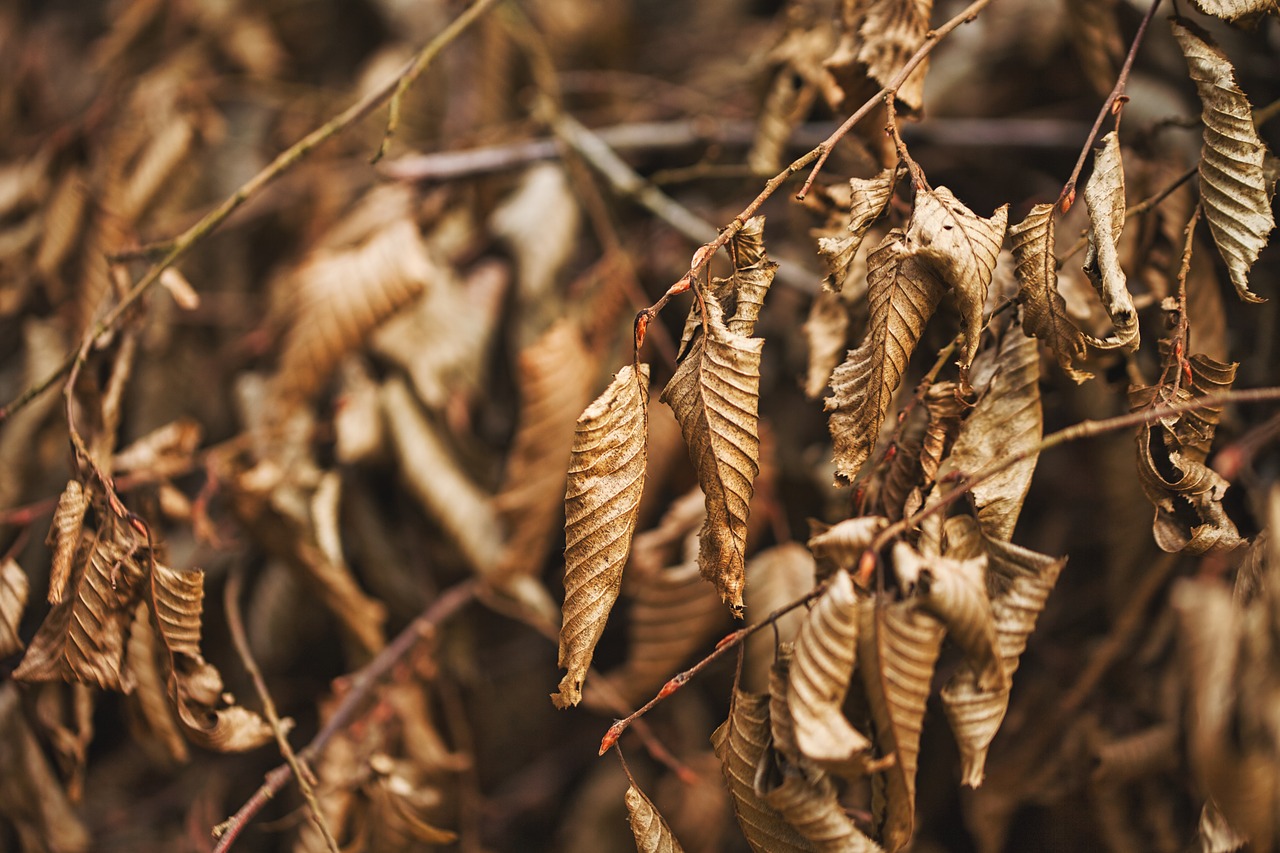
(610, 737)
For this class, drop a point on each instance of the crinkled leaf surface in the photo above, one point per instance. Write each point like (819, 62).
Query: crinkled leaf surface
(1233, 186)
(891, 31)
(869, 198)
(1237, 10)
(13, 600)
(64, 536)
(606, 479)
(651, 831)
(1104, 194)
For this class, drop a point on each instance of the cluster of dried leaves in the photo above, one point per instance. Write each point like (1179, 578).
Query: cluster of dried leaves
(362, 409)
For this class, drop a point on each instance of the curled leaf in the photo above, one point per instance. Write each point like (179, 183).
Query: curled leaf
(1233, 185)
(1237, 11)
(753, 274)
(903, 293)
(606, 479)
(841, 545)
(1044, 311)
(890, 32)
(64, 536)
(868, 199)
(13, 600)
(651, 831)
(1104, 194)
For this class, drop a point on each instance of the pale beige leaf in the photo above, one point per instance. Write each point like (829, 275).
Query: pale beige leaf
(555, 375)
(962, 248)
(842, 544)
(64, 536)
(1233, 187)
(1020, 581)
(715, 395)
(868, 200)
(1215, 834)
(651, 831)
(955, 590)
(739, 743)
(825, 330)
(891, 31)
(1104, 195)
(902, 293)
(1246, 11)
(150, 694)
(821, 668)
(776, 577)
(13, 601)
(945, 405)
(753, 274)
(605, 481)
(1007, 419)
(163, 452)
(1044, 311)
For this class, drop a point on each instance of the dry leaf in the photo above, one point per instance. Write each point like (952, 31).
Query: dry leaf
(1007, 419)
(151, 693)
(753, 274)
(841, 545)
(1044, 311)
(651, 831)
(13, 601)
(826, 329)
(868, 200)
(1216, 835)
(776, 577)
(962, 248)
(945, 405)
(1095, 35)
(64, 536)
(898, 647)
(606, 479)
(890, 32)
(903, 293)
(1104, 194)
(1233, 186)
(164, 452)
(1245, 11)
(821, 667)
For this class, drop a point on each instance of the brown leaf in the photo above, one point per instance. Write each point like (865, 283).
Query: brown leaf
(163, 452)
(903, 293)
(1006, 420)
(753, 274)
(651, 831)
(605, 481)
(13, 600)
(825, 330)
(64, 536)
(1044, 311)
(1104, 194)
(1233, 187)
(891, 31)
(151, 694)
(945, 405)
(776, 577)
(1020, 582)
(868, 200)
(1243, 11)
(715, 395)
(842, 544)
(962, 248)
(821, 668)
(898, 647)
(1095, 35)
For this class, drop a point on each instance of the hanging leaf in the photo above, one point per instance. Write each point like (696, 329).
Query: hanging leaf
(903, 294)
(715, 395)
(821, 668)
(13, 601)
(64, 536)
(776, 577)
(841, 546)
(1244, 12)
(1044, 311)
(1233, 184)
(962, 248)
(753, 274)
(1104, 194)
(1007, 420)
(739, 743)
(868, 200)
(606, 479)
(898, 647)
(891, 31)
(826, 331)
(945, 405)
(651, 831)
(1095, 35)
(1020, 581)
(151, 693)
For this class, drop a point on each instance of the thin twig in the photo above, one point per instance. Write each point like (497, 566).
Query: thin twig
(231, 599)
(1182, 331)
(286, 160)
(362, 681)
(1109, 106)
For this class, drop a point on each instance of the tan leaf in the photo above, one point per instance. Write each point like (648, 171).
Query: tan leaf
(151, 694)
(944, 404)
(13, 601)
(825, 330)
(715, 395)
(753, 274)
(605, 481)
(842, 544)
(891, 31)
(1233, 187)
(1104, 194)
(775, 577)
(898, 647)
(868, 200)
(1095, 35)
(1245, 11)
(1021, 581)
(1006, 420)
(1044, 311)
(739, 743)
(64, 536)
(955, 590)
(962, 248)
(163, 452)
(903, 293)
(555, 375)
(651, 831)
(1172, 452)
(821, 668)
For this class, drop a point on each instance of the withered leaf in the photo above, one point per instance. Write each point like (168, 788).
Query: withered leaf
(739, 743)
(842, 544)
(13, 601)
(944, 405)
(903, 293)
(163, 452)
(651, 831)
(868, 200)
(1020, 581)
(1007, 419)
(962, 248)
(1044, 311)
(1104, 194)
(606, 479)
(64, 536)
(1243, 11)
(151, 692)
(1233, 187)
(821, 667)
(1095, 34)
(715, 395)
(753, 274)
(825, 330)
(891, 31)
(776, 577)
(898, 646)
